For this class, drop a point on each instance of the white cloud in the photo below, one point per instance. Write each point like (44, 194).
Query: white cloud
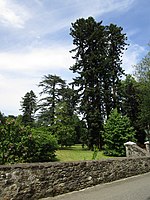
(11, 91)
(21, 72)
(13, 14)
(132, 57)
(39, 59)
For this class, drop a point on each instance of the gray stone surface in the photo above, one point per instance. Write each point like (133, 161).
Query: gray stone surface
(133, 150)
(35, 181)
(147, 144)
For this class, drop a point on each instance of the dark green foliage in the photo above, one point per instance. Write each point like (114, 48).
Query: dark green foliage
(117, 131)
(16, 143)
(83, 133)
(57, 109)
(68, 113)
(70, 98)
(46, 144)
(145, 102)
(52, 89)
(65, 125)
(2, 118)
(130, 92)
(20, 144)
(144, 107)
(29, 106)
(142, 73)
(97, 54)
(130, 98)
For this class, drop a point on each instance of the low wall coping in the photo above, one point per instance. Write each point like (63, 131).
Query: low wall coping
(129, 143)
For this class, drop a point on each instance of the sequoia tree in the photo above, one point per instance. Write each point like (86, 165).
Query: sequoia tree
(98, 50)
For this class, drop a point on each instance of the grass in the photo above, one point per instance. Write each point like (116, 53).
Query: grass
(77, 153)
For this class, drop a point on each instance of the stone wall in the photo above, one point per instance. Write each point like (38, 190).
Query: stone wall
(35, 181)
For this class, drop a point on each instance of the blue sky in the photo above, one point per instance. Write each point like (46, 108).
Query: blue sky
(35, 40)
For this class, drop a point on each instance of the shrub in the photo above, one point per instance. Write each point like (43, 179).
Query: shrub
(20, 144)
(46, 144)
(117, 131)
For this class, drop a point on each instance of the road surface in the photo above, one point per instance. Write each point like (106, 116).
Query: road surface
(133, 188)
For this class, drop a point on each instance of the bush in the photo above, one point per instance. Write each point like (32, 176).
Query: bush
(19, 144)
(46, 144)
(16, 142)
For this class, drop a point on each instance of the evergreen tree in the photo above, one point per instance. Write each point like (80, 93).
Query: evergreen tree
(97, 55)
(70, 97)
(28, 105)
(131, 104)
(52, 89)
(117, 131)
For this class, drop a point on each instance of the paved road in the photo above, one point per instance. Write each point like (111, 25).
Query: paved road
(134, 188)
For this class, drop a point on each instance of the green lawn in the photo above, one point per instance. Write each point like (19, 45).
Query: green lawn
(76, 153)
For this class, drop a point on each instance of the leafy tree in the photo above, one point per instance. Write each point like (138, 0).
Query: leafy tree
(142, 69)
(65, 125)
(20, 144)
(29, 106)
(46, 144)
(52, 90)
(16, 142)
(142, 73)
(97, 54)
(117, 131)
(57, 109)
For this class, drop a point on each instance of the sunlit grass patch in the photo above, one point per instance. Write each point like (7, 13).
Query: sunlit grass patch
(77, 153)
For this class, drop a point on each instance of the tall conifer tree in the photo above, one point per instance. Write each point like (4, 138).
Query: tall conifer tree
(28, 105)
(97, 54)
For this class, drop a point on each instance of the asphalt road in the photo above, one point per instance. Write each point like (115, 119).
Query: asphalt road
(134, 188)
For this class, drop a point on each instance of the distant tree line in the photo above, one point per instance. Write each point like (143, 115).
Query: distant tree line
(102, 106)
